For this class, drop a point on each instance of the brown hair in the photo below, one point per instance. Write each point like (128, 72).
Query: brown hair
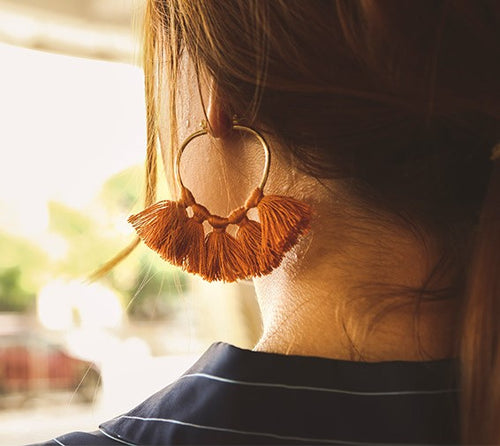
(400, 96)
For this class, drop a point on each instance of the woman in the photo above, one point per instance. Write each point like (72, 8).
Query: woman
(380, 324)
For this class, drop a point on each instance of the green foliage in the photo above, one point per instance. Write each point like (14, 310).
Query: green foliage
(87, 243)
(68, 222)
(12, 295)
(23, 269)
(20, 253)
(122, 191)
(156, 287)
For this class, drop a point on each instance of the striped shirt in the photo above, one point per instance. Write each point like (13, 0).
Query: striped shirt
(236, 396)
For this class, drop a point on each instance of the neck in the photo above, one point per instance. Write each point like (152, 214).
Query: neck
(345, 297)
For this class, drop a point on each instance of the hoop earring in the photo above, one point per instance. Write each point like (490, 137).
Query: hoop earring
(256, 250)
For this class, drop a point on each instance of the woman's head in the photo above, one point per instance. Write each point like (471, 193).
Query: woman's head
(389, 104)
(398, 97)
(392, 105)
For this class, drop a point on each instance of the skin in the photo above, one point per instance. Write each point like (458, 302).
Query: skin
(313, 304)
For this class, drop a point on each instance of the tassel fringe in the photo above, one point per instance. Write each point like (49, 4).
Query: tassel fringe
(225, 259)
(161, 227)
(259, 262)
(283, 221)
(256, 250)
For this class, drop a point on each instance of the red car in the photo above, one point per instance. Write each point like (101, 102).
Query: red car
(32, 365)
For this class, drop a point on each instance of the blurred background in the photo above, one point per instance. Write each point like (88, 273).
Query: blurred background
(72, 143)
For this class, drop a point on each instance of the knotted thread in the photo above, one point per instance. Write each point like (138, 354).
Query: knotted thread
(257, 249)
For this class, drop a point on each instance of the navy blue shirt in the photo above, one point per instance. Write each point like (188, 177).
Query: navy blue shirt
(236, 396)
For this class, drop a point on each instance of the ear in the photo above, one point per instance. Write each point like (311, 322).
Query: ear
(219, 120)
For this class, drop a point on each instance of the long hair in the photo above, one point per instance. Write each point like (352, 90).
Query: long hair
(400, 96)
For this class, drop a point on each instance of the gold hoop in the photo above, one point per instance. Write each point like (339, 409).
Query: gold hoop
(236, 126)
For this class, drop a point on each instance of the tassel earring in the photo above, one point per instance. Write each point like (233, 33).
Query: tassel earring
(256, 249)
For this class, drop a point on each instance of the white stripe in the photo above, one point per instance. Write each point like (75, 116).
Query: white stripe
(316, 389)
(117, 439)
(58, 442)
(236, 431)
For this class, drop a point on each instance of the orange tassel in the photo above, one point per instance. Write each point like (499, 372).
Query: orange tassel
(166, 228)
(225, 258)
(259, 263)
(194, 238)
(283, 220)
(161, 227)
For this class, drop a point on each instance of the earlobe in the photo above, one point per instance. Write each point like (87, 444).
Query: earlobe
(219, 119)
